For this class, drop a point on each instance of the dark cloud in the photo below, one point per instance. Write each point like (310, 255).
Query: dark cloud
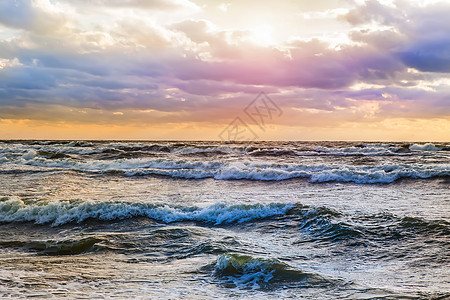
(419, 36)
(26, 78)
(427, 56)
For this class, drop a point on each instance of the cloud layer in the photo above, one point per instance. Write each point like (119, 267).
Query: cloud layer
(168, 62)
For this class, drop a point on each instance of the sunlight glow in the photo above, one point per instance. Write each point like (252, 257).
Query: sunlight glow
(262, 35)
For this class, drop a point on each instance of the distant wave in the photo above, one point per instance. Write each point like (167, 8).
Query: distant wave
(361, 150)
(260, 161)
(428, 147)
(223, 170)
(129, 149)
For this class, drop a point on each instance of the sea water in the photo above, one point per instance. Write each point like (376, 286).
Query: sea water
(202, 220)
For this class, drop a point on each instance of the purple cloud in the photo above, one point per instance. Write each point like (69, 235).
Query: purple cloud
(193, 71)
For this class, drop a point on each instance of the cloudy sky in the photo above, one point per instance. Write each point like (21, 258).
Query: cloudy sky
(185, 69)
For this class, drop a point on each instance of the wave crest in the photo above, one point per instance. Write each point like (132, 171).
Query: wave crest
(247, 271)
(62, 212)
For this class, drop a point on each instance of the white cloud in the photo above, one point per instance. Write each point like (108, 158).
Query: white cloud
(142, 4)
(224, 6)
(325, 14)
(10, 63)
(37, 16)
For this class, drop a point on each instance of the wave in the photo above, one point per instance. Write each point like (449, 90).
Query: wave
(54, 247)
(247, 271)
(234, 170)
(427, 227)
(379, 228)
(51, 155)
(275, 152)
(89, 153)
(132, 149)
(428, 147)
(320, 224)
(221, 161)
(277, 172)
(360, 150)
(323, 224)
(124, 149)
(357, 150)
(76, 211)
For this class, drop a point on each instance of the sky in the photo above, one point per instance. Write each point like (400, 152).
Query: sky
(188, 69)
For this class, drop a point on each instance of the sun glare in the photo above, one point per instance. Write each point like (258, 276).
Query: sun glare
(262, 35)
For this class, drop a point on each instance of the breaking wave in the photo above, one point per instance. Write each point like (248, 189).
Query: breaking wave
(428, 147)
(217, 149)
(221, 170)
(260, 162)
(245, 271)
(321, 222)
(62, 212)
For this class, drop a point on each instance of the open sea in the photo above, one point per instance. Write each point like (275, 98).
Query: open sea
(207, 220)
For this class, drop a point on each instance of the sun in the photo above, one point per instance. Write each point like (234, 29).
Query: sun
(262, 35)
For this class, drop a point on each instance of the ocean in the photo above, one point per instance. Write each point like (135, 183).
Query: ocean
(204, 220)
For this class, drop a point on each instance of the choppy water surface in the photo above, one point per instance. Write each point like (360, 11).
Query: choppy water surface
(201, 220)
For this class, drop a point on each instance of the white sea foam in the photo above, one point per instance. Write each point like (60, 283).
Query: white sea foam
(378, 174)
(19, 149)
(247, 273)
(29, 155)
(62, 212)
(86, 149)
(119, 164)
(252, 272)
(241, 166)
(234, 170)
(364, 150)
(193, 150)
(425, 147)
